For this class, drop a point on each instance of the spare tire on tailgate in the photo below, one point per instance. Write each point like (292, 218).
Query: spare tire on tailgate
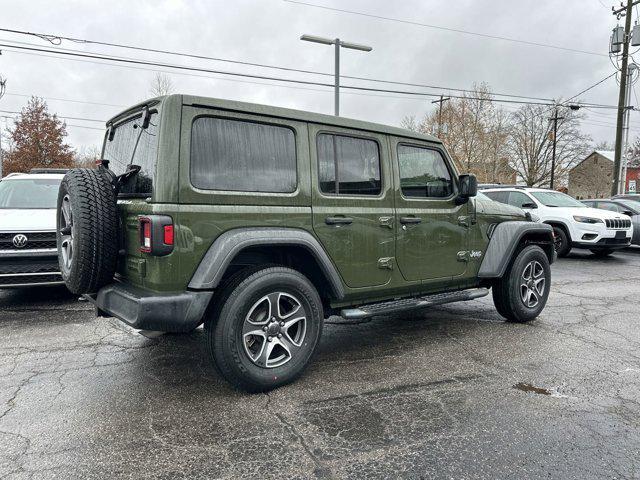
(87, 230)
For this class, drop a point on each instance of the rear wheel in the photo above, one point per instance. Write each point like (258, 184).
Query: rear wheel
(265, 328)
(521, 294)
(562, 242)
(602, 253)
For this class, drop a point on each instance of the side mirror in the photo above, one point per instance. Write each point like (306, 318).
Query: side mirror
(628, 212)
(529, 205)
(468, 185)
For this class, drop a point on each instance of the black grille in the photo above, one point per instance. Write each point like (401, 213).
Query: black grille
(34, 240)
(618, 223)
(28, 265)
(26, 279)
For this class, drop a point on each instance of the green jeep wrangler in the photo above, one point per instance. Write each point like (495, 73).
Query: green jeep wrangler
(260, 222)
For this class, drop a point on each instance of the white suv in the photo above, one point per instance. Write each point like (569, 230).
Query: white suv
(574, 224)
(28, 252)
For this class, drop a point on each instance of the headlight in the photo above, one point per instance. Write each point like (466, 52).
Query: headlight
(580, 219)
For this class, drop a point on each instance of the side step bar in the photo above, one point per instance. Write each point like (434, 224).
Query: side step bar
(407, 304)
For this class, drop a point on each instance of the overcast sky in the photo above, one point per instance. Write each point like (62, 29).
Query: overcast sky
(268, 31)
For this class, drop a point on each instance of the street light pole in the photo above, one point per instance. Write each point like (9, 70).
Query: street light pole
(337, 44)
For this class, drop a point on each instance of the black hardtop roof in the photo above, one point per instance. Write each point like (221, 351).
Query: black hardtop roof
(280, 112)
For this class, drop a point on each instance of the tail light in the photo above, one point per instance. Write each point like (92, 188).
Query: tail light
(156, 234)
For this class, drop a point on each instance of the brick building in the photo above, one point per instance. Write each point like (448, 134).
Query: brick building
(592, 177)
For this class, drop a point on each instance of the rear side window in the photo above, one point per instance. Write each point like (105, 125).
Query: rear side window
(348, 165)
(242, 156)
(502, 197)
(423, 173)
(133, 145)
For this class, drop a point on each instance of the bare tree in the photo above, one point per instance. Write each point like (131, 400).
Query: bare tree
(531, 142)
(161, 85)
(86, 157)
(475, 133)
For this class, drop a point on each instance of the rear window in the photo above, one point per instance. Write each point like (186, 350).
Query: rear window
(122, 151)
(242, 156)
(502, 197)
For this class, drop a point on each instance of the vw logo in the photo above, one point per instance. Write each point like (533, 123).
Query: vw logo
(20, 240)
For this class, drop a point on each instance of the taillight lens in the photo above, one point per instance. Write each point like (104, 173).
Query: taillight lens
(145, 235)
(168, 235)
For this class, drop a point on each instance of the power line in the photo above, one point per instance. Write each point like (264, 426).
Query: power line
(57, 40)
(53, 99)
(448, 29)
(592, 86)
(61, 116)
(254, 76)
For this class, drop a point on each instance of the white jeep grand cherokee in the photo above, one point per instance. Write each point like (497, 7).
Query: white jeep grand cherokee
(28, 252)
(574, 224)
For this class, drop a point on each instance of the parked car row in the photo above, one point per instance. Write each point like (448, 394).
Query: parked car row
(575, 224)
(260, 222)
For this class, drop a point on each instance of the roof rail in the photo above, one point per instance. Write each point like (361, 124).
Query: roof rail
(9, 175)
(49, 170)
(484, 186)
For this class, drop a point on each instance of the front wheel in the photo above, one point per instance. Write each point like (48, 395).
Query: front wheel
(265, 329)
(561, 241)
(522, 293)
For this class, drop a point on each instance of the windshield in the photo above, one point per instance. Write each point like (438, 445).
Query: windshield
(133, 145)
(557, 199)
(29, 193)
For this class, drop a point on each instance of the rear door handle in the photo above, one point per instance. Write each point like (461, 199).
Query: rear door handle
(410, 220)
(338, 220)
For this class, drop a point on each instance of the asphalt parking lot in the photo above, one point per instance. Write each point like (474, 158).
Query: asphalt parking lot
(451, 393)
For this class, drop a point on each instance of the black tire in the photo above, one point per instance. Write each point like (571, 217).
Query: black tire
(91, 232)
(232, 312)
(508, 292)
(562, 241)
(605, 252)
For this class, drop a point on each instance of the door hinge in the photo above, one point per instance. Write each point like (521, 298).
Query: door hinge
(463, 256)
(463, 220)
(385, 263)
(386, 222)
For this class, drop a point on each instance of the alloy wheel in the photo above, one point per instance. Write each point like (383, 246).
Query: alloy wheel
(532, 284)
(274, 329)
(66, 233)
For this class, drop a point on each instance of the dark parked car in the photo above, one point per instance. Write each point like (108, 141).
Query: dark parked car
(624, 206)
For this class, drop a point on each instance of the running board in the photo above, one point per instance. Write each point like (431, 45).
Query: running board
(395, 306)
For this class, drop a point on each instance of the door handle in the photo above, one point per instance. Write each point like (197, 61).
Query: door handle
(410, 220)
(338, 220)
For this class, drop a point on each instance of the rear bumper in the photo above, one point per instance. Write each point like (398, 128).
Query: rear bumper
(147, 310)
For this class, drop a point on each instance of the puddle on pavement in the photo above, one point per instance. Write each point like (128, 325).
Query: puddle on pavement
(527, 387)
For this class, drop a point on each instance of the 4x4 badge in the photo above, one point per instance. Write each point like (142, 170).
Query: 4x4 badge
(20, 240)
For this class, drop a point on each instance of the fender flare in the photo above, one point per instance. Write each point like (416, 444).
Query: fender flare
(224, 249)
(504, 241)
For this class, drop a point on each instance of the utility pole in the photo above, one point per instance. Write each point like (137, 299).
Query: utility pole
(3, 86)
(338, 44)
(625, 11)
(554, 119)
(625, 153)
(440, 101)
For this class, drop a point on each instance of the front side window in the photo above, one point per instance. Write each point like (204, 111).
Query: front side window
(29, 193)
(519, 199)
(609, 206)
(242, 156)
(423, 173)
(132, 144)
(348, 165)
